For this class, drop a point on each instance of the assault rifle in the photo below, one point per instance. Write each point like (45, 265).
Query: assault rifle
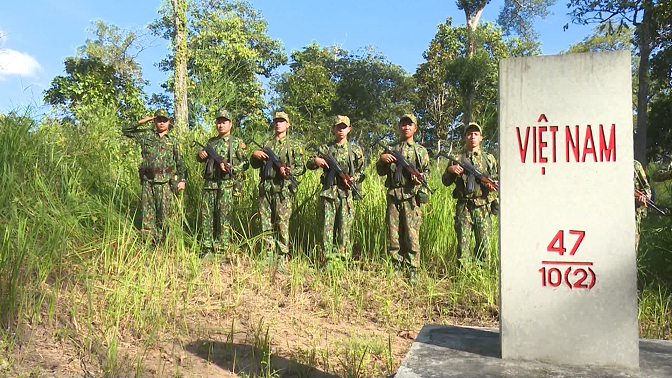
(274, 162)
(212, 154)
(473, 173)
(650, 203)
(405, 165)
(335, 170)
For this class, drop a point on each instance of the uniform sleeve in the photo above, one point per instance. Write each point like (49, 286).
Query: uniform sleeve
(663, 174)
(494, 170)
(425, 167)
(642, 183)
(299, 166)
(240, 163)
(448, 178)
(310, 163)
(179, 162)
(358, 163)
(131, 130)
(256, 163)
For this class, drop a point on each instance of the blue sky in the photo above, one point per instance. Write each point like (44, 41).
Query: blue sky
(39, 34)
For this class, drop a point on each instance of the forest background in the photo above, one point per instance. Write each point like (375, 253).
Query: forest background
(75, 274)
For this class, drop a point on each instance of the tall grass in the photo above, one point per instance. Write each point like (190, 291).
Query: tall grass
(71, 256)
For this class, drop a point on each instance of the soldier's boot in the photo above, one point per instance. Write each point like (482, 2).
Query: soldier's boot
(412, 279)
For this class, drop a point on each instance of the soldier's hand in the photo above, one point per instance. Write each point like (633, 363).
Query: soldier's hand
(260, 155)
(146, 119)
(225, 167)
(181, 185)
(492, 185)
(388, 158)
(321, 162)
(203, 154)
(285, 171)
(416, 178)
(455, 169)
(641, 200)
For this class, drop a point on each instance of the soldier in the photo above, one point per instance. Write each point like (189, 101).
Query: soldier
(641, 185)
(275, 191)
(337, 198)
(404, 197)
(162, 169)
(219, 185)
(472, 210)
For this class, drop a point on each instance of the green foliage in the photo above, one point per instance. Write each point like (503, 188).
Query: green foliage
(227, 50)
(325, 81)
(605, 37)
(450, 74)
(518, 16)
(103, 75)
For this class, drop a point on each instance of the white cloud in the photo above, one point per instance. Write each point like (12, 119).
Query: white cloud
(17, 63)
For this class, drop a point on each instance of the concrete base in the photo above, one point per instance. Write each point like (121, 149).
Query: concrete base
(448, 351)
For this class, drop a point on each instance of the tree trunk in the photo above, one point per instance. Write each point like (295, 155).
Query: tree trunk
(643, 88)
(180, 46)
(472, 23)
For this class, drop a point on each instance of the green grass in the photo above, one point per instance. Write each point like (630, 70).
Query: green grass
(73, 264)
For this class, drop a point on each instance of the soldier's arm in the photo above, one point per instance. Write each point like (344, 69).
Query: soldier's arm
(359, 162)
(299, 166)
(179, 163)
(131, 130)
(663, 174)
(240, 160)
(448, 178)
(642, 180)
(425, 166)
(494, 170)
(257, 163)
(310, 163)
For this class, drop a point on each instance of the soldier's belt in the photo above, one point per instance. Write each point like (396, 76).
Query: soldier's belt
(162, 171)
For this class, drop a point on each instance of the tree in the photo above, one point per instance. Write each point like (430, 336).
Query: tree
(453, 79)
(228, 50)
(103, 75)
(179, 12)
(516, 16)
(325, 81)
(659, 132)
(638, 13)
(605, 37)
(309, 89)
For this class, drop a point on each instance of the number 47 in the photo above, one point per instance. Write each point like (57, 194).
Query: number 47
(559, 239)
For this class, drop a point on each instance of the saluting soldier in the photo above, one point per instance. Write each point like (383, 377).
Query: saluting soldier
(337, 198)
(275, 190)
(221, 183)
(405, 196)
(473, 207)
(162, 169)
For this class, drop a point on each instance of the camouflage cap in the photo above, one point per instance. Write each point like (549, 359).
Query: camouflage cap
(410, 117)
(473, 125)
(341, 119)
(161, 113)
(280, 115)
(223, 113)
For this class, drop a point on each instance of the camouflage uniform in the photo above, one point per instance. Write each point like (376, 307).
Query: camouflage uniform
(641, 184)
(337, 201)
(472, 209)
(219, 188)
(161, 170)
(665, 171)
(403, 215)
(275, 194)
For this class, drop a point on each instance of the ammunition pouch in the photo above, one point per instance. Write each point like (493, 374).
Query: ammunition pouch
(146, 174)
(494, 207)
(421, 197)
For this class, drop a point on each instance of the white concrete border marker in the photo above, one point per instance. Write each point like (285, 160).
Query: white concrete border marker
(568, 267)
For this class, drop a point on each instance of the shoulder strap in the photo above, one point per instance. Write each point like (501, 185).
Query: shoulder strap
(351, 164)
(228, 158)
